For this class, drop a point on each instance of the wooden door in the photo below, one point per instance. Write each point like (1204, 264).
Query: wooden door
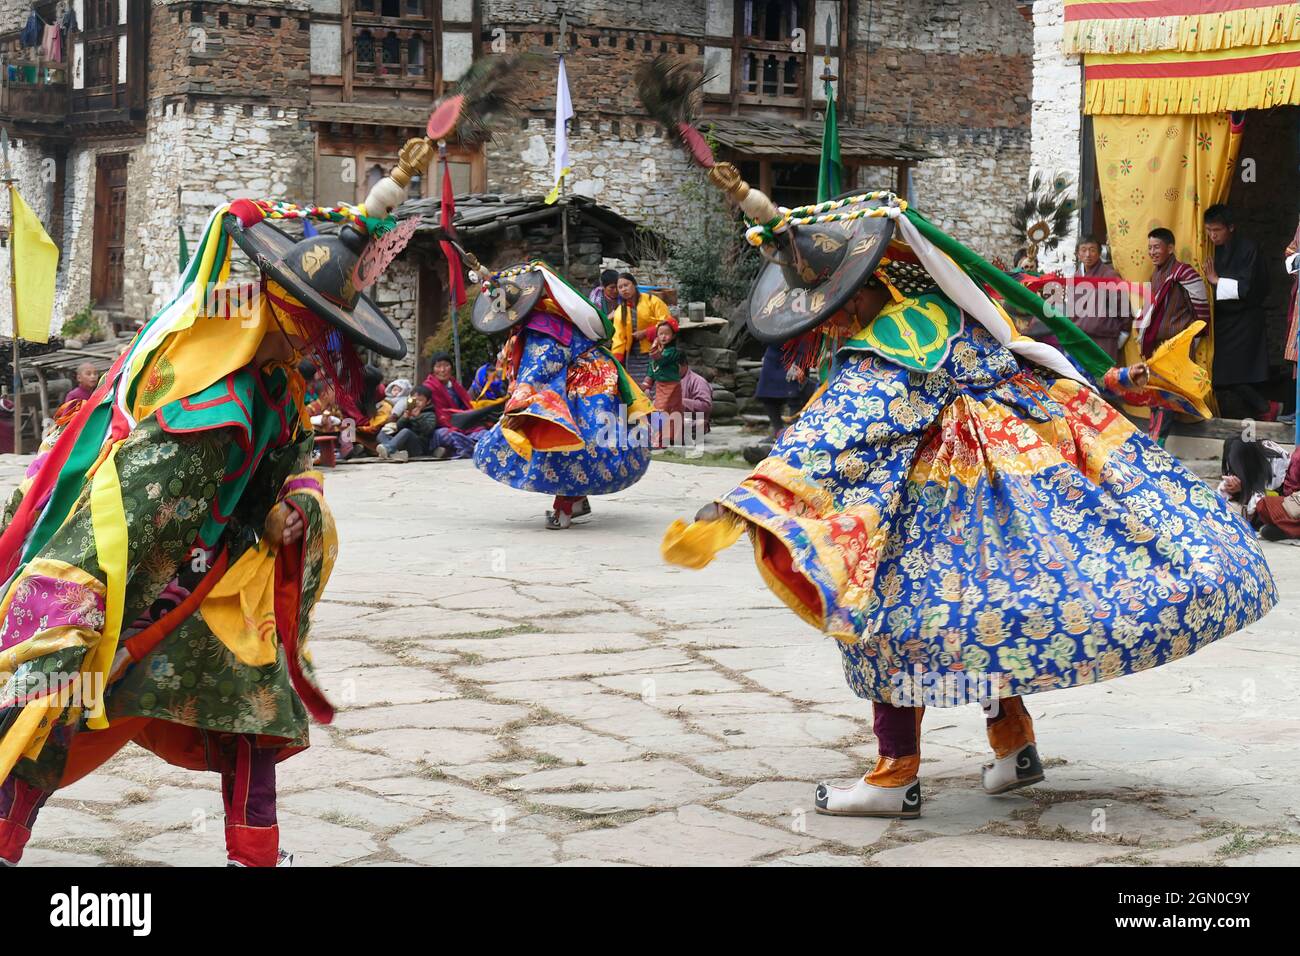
(110, 231)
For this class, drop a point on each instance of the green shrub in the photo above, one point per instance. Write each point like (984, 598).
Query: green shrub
(82, 325)
(710, 257)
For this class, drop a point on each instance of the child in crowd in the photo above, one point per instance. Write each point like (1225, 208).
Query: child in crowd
(397, 393)
(87, 379)
(665, 376)
(414, 432)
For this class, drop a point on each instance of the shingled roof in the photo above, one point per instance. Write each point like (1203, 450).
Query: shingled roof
(480, 214)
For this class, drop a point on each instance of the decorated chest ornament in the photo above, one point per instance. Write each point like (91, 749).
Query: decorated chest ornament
(816, 257)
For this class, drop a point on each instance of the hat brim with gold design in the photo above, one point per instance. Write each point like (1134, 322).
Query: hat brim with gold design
(509, 302)
(317, 271)
(817, 269)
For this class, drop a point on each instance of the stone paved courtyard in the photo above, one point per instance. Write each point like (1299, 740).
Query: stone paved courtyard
(514, 696)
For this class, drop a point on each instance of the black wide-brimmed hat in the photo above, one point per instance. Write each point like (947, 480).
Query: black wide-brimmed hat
(317, 271)
(812, 270)
(513, 293)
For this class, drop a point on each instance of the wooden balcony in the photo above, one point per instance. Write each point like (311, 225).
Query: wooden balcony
(34, 93)
(99, 89)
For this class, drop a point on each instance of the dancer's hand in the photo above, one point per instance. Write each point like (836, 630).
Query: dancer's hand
(1139, 374)
(284, 525)
(710, 512)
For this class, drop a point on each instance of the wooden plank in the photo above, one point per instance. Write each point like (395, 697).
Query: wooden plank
(1224, 428)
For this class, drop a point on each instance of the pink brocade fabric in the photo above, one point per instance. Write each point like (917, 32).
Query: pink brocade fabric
(41, 603)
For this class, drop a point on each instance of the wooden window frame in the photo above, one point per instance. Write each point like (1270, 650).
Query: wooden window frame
(367, 154)
(738, 102)
(427, 27)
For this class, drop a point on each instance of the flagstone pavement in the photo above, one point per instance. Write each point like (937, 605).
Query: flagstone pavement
(509, 695)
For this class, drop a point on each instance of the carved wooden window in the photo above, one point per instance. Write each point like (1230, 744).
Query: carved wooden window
(770, 65)
(392, 41)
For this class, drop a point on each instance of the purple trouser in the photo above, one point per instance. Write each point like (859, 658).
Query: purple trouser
(898, 737)
(460, 444)
(247, 789)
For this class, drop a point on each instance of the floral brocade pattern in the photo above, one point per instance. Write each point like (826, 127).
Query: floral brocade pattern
(570, 395)
(988, 524)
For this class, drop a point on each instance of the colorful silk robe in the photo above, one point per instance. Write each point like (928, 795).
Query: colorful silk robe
(570, 426)
(988, 529)
(197, 482)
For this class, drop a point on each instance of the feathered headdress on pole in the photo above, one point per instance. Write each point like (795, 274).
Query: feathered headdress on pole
(671, 91)
(490, 89)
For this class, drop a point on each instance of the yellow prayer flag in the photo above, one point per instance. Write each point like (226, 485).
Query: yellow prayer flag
(36, 259)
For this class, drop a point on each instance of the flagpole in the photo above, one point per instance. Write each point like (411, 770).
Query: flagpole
(564, 211)
(9, 181)
(827, 77)
(452, 309)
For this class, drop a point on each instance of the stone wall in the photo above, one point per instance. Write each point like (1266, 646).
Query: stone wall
(954, 78)
(215, 152)
(627, 166)
(250, 51)
(36, 193)
(1057, 109)
(72, 281)
(397, 294)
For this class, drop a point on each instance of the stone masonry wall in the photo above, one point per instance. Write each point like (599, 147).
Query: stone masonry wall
(953, 77)
(215, 153)
(247, 50)
(72, 281)
(1057, 109)
(616, 153)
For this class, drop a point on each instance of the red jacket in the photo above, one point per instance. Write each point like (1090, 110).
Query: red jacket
(442, 402)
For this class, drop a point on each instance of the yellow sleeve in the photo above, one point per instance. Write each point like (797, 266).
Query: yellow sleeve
(620, 341)
(661, 310)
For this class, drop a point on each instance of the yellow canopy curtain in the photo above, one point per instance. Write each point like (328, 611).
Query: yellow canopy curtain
(1162, 171)
(1136, 26)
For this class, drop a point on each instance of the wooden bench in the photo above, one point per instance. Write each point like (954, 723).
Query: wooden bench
(325, 451)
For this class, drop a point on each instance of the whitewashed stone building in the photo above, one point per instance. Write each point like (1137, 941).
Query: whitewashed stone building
(160, 109)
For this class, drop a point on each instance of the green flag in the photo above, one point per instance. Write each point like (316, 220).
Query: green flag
(830, 179)
(183, 256)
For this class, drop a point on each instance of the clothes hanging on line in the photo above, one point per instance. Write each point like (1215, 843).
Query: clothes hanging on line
(31, 32)
(52, 43)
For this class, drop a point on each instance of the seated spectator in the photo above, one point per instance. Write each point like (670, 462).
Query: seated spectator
(415, 432)
(324, 412)
(397, 392)
(376, 412)
(1250, 470)
(1278, 516)
(697, 397)
(449, 400)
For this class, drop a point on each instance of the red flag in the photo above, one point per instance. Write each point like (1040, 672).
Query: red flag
(455, 274)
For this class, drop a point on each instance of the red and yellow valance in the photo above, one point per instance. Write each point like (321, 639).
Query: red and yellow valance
(1141, 26)
(1177, 82)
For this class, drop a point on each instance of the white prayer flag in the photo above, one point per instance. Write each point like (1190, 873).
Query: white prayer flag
(563, 113)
